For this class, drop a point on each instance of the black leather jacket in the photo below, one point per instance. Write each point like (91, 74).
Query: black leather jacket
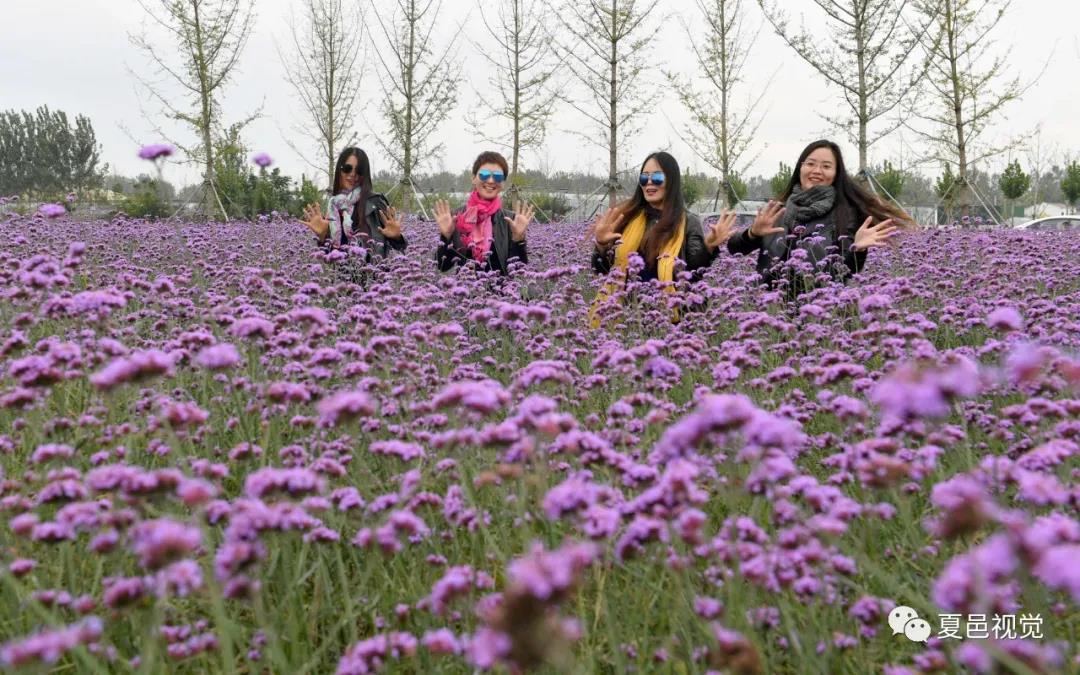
(693, 252)
(452, 252)
(368, 229)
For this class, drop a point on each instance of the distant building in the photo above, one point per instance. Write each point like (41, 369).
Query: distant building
(1046, 210)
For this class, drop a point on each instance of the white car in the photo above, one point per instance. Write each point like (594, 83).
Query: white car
(1051, 223)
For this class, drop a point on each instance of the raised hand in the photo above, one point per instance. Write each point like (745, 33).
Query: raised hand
(523, 214)
(443, 219)
(767, 218)
(720, 231)
(391, 223)
(315, 221)
(874, 236)
(604, 228)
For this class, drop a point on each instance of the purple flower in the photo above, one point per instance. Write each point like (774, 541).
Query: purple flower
(52, 210)
(262, 159)
(369, 656)
(218, 357)
(156, 151)
(159, 542)
(1005, 319)
(455, 581)
(441, 641)
(345, 405)
(295, 482)
(487, 647)
(51, 451)
(134, 367)
(21, 567)
(708, 608)
(50, 644)
(180, 579)
(1058, 569)
(484, 397)
(544, 574)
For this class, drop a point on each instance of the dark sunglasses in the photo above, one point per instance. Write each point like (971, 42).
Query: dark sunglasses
(486, 174)
(656, 176)
(348, 168)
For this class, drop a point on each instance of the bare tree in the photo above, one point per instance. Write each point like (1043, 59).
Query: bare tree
(419, 85)
(603, 48)
(864, 55)
(523, 75)
(208, 37)
(322, 70)
(969, 86)
(1039, 156)
(720, 131)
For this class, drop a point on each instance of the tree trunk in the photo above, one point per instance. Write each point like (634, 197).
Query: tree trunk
(205, 119)
(613, 158)
(860, 55)
(517, 93)
(406, 180)
(963, 192)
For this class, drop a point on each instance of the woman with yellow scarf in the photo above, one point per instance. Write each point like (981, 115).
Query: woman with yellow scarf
(655, 224)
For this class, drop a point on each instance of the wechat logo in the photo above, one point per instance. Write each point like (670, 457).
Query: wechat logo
(904, 619)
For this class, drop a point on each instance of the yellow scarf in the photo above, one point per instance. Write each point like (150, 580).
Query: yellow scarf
(665, 268)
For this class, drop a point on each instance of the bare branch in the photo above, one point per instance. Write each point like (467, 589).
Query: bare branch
(209, 36)
(419, 86)
(869, 50)
(322, 70)
(602, 47)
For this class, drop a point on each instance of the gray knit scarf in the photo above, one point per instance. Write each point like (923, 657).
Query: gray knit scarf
(809, 208)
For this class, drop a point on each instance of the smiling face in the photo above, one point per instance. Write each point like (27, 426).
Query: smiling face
(488, 189)
(654, 194)
(819, 168)
(349, 180)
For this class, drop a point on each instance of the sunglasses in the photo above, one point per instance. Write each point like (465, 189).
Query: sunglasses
(348, 168)
(657, 178)
(486, 174)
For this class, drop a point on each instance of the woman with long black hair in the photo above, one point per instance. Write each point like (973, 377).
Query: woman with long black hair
(819, 216)
(355, 213)
(655, 224)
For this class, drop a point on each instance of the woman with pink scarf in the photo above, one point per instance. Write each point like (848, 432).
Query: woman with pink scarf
(482, 231)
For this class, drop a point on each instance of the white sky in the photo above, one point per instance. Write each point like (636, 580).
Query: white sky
(75, 56)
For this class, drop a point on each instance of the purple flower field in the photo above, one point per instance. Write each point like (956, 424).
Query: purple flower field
(222, 450)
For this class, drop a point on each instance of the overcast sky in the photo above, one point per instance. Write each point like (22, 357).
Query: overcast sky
(77, 57)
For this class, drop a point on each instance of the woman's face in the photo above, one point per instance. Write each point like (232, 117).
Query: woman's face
(819, 168)
(352, 178)
(654, 194)
(485, 183)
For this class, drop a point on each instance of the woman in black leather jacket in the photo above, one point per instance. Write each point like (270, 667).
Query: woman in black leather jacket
(482, 231)
(355, 214)
(664, 222)
(816, 224)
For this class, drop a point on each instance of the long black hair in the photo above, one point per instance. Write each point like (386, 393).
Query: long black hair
(671, 215)
(363, 168)
(853, 202)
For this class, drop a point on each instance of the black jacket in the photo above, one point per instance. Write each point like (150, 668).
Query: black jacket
(693, 252)
(368, 229)
(452, 252)
(767, 261)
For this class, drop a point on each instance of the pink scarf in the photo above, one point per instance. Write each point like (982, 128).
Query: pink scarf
(474, 224)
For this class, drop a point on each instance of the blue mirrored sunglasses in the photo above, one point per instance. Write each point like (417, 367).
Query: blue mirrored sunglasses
(486, 174)
(657, 178)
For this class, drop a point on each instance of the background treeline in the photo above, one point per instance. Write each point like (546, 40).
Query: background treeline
(43, 155)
